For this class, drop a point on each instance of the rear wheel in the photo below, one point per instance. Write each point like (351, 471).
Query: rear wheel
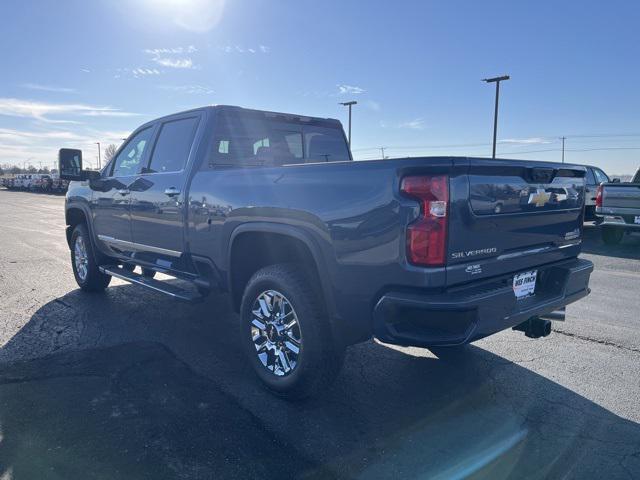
(85, 269)
(612, 235)
(286, 333)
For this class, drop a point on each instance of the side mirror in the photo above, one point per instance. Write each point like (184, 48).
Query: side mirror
(615, 180)
(70, 164)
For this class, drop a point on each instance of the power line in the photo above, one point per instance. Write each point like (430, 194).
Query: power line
(523, 152)
(462, 145)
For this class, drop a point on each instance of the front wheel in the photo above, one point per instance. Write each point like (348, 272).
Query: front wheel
(286, 333)
(85, 269)
(612, 235)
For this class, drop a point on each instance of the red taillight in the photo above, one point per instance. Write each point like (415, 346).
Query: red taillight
(599, 196)
(427, 235)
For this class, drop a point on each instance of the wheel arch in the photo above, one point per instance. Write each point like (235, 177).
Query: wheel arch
(76, 214)
(73, 216)
(274, 243)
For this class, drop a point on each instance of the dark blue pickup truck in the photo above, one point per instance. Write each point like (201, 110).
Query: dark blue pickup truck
(317, 251)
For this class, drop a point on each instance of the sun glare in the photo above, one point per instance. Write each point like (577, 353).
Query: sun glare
(193, 15)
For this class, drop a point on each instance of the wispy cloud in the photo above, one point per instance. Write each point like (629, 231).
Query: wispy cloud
(40, 145)
(525, 141)
(173, 57)
(243, 49)
(344, 89)
(48, 88)
(174, 62)
(142, 72)
(416, 124)
(173, 50)
(44, 110)
(190, 89)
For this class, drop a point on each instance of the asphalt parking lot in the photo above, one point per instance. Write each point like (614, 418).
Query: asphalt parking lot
(129, 384)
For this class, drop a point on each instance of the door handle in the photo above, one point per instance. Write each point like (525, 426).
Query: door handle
(124, 191)
(172, 192)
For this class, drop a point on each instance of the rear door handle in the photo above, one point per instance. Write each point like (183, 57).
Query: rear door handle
(172, 192)
(124, 191)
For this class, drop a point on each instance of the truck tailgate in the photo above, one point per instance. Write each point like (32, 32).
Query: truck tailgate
(508, 216)
(621, 196)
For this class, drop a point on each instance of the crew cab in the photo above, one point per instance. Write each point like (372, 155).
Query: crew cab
(318, 251)
(618, 207)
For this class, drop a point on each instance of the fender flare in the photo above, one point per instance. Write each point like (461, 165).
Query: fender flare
(87, 215)
(299, 234)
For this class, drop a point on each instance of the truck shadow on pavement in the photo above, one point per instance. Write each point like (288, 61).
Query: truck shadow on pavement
(127, 385)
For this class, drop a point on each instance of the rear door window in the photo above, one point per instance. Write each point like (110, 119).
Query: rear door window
(172, 148)
(591, 179)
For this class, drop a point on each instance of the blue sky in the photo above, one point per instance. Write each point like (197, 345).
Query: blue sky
(78, 72)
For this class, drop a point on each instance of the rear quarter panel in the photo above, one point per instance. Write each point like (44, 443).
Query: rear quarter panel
(352, 211)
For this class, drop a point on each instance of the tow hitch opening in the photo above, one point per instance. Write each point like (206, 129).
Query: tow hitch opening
(535, 327)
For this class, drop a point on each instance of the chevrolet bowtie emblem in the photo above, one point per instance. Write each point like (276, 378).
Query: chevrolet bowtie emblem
(540, 198)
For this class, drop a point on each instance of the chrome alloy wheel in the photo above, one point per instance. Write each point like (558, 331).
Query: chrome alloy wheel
(275, 332)
(81, 259)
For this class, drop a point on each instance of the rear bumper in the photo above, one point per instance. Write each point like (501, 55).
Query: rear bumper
(464, 314)
(619, 217)
(618, 221)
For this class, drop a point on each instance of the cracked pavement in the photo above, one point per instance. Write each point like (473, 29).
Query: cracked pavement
(129, 384)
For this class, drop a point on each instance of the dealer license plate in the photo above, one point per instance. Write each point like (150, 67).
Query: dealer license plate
(637, 219)
(524, 284)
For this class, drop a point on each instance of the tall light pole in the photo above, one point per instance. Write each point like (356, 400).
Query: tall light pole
(349, 104)
(497, 81)
(99, 159)
(563, 139)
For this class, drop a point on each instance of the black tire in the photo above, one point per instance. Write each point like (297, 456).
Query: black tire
(148, 273)
(612, 235)
(91, 280)
(319, 358)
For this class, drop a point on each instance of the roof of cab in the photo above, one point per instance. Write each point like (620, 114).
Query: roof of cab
(250, 111)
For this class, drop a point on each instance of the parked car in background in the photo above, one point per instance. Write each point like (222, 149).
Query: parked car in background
(618, 207)
(595, 176)
(41, 183)
(58, 185)
(23, 181)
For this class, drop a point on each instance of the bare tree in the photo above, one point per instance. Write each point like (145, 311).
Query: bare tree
(109, 152)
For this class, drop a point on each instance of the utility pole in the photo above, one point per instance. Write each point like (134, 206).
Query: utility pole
(99, 159)
(382, 150)
(563, 139)
(497, 81)
(349, 104)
